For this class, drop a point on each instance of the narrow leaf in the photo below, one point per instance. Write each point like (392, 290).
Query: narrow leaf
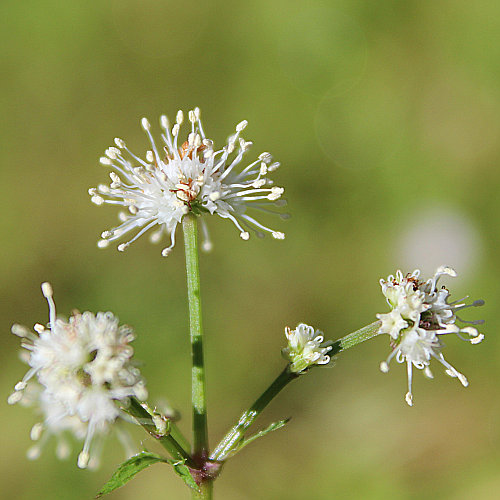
(184, 473)
(128, 469)
(273, 427)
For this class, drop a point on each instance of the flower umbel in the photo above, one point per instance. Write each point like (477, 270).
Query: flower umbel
(83, 367)
(420, 315)
(305, 348)
(181, 177)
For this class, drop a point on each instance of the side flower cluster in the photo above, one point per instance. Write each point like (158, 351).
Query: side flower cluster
(419, 318)
(305, 348)
(178, 177)
(78, 370)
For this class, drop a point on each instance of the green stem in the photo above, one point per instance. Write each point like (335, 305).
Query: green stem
(205, 493)
(167, 441)
(232, 439)
(354, 338)
(198, 393)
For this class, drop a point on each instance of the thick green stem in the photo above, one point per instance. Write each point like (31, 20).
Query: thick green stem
(354, 338)
(168, 441)
(198, 393)
(232, 439)
(205, 493)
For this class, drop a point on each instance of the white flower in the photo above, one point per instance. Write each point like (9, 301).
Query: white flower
(82, 367)
(392, 323)
(182, 177)
(305, 348)
(420, 315)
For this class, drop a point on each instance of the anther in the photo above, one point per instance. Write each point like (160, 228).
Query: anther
(409, 398)
(265, 157)
(47, 290)
(478, 339)
(15, 397)
(20, 386)
(241, 126)
(98, 200)
(164, 122)
(38, 328)
(102, 243)
(104, 160)
(20, 331)
(36, 431)
(83, 460)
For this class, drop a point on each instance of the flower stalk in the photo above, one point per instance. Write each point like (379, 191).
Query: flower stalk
(355, 338)
(198, 392)
(232, 439)
(167, 439)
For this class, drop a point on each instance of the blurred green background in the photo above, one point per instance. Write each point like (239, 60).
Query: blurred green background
(385, 116)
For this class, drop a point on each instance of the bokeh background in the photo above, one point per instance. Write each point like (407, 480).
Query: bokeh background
(385, 116)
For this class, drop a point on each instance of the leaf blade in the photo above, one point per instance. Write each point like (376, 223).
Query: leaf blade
(128, 469)
(182, 470)
(270, 428)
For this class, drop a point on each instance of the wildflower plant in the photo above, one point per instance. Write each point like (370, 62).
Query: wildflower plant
(82, 378)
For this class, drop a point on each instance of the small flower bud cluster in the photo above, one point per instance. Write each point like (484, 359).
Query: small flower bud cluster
(305, 348)
(178, 178)
(82, 367)
(420, 314)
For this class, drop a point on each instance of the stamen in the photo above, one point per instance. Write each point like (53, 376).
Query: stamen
(48, 293)
(241, 126)
(409, 395)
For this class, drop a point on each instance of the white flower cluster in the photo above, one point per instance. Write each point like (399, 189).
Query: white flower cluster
(182, 177)
(83, 367)
(305, 348)
(420, 315)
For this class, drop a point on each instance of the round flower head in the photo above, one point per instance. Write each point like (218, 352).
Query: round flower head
(186, 176)
(305, 348)
(420, 315)
(82, 367)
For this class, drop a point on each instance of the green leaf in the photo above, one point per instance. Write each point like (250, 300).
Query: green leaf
(273, 427)
(128, 469)
(184, 473)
